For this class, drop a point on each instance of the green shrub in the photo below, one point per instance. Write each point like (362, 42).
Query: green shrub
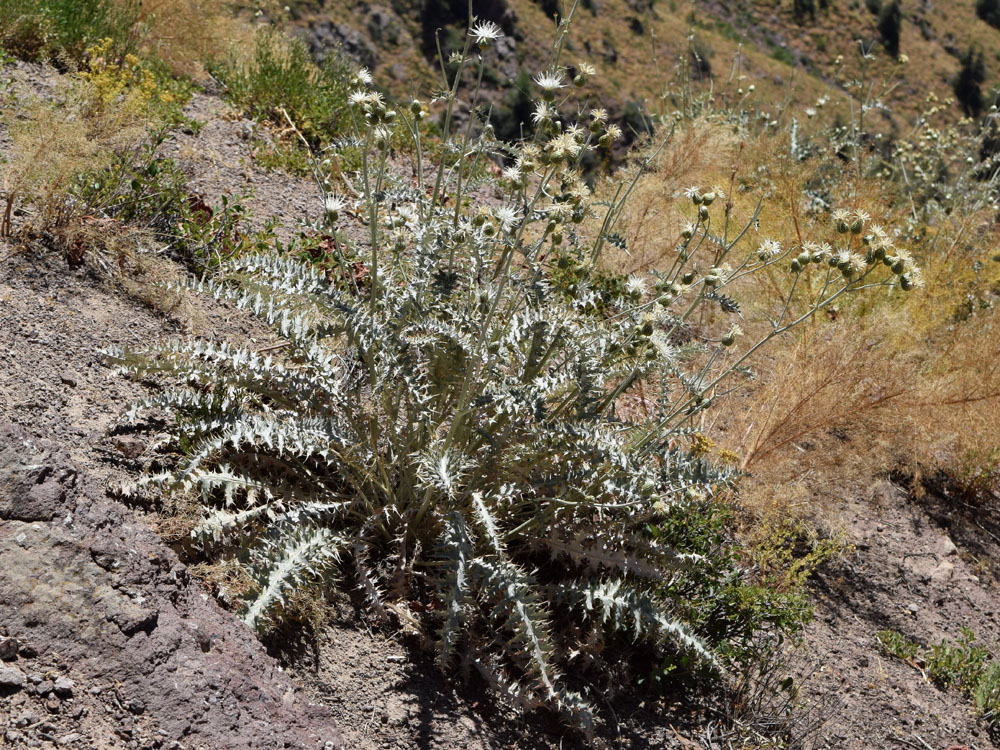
(445, 424)
(280, 77)
(64, 29)
(148, 192)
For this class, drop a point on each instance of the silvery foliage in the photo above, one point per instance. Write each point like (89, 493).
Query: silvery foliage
(445, 429)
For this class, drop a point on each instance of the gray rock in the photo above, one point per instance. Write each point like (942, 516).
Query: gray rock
(64, 687)
(946, 548)
(8, 649)
(11, 678)
(943, 573)
(35, 477)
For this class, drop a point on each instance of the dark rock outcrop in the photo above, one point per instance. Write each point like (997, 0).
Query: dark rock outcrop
(86, 584)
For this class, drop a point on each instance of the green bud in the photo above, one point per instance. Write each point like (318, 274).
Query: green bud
(708, 198)
(898, 267)
(646, 329)
(687, 278)
(906, 282)
(843, 227)
(804, 258)
(703, 213)
(416, 107)
(856, 226)
(711, 280)
(728, 339)
(696, 199)
(796, 266)
(489, 229)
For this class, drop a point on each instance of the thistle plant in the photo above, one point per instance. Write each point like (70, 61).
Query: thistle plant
(445, 430)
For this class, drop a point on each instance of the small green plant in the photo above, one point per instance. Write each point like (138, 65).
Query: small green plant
(957, 664)
(896, 644)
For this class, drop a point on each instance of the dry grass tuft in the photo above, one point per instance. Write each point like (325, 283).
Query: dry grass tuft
(184, 34)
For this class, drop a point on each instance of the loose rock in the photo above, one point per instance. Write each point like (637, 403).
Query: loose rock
(11, 678)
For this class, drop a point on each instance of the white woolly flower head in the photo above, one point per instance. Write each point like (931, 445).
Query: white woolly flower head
(636, 286)
(549, 83)
(507, 217)
(333, 204)
(363, 78)
(769, 249)
(485, 32)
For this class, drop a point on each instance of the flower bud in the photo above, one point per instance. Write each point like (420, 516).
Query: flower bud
(579, 80)
(898, 267)
(905, 282)
(804, 258)
(489, 229)
(703, 213)
(687, 278)
(708, 198)
(416, 107)
(711, 280)
(856, 226)
(687, 233)
(697, 199)
(796, 266)
(728, 339)
(843, 227)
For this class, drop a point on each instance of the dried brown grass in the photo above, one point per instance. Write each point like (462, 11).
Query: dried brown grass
(878, 384)
(185, 34)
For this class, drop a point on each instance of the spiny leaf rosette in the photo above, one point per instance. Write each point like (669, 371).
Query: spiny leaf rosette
(443, 430)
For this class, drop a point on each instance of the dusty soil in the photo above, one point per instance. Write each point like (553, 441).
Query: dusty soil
(89, 594)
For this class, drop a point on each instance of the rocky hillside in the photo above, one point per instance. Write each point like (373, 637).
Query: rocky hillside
(784, 58)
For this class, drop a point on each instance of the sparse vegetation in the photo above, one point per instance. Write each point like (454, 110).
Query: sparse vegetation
(965, 665)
